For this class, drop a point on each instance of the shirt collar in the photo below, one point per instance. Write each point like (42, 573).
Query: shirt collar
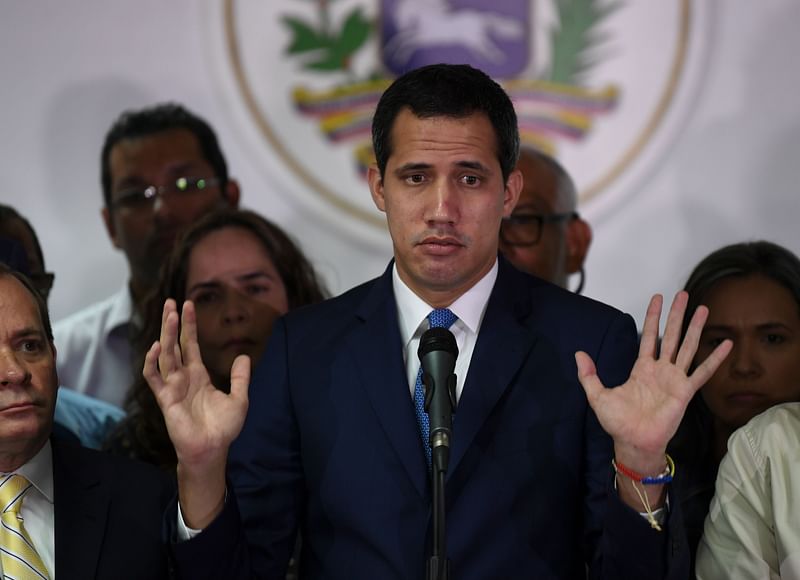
(39, 471)
(469, 307)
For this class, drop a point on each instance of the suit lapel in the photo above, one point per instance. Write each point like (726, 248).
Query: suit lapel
(81, 503)
(376, 348)
(504, 342)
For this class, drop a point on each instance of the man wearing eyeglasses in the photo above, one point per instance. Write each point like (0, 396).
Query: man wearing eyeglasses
(545, 236)
(161, 170)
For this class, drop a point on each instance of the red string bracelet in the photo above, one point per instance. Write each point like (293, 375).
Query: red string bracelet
(664, 477)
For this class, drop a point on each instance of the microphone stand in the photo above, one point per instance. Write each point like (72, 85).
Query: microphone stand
(439, 564)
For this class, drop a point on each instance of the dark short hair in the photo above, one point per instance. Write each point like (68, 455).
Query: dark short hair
(739, 261)
(162, 117)
(7, 214)
(447, 90)
(41, 305)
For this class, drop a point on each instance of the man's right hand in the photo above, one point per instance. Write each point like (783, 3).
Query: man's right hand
(201, 420)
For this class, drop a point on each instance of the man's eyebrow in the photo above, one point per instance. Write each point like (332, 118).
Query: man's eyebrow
(476, 165)
(174, 170)
(28, 332)
(129, 181)
(466, 164)
(412, 167)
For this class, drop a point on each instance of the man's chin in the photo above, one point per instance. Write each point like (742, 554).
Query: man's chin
(19, 427)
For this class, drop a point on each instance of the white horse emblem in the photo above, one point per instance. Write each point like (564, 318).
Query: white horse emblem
(433, 23)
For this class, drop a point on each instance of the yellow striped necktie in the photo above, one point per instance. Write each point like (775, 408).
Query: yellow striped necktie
(19, 557)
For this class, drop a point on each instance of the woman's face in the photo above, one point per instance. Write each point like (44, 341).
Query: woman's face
(763, 369)
(237, 293)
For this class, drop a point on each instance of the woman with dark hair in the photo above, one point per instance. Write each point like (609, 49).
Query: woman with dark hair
(242, 272)
(752, 291)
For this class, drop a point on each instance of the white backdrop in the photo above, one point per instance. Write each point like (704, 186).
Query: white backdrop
(68, 68)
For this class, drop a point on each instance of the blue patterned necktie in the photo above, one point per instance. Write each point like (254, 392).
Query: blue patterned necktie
(439, 318)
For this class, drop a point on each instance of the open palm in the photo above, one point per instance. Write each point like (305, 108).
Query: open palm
(202, 421)
(645, 411)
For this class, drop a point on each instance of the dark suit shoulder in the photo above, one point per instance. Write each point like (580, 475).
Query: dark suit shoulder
(570, 322)
(552, 309)
(109, 514)
(328, 322)
(542, 292)
(342, 305)
(122, 470)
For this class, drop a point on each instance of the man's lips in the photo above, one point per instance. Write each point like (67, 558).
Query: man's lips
(440, 245)
(17, 407)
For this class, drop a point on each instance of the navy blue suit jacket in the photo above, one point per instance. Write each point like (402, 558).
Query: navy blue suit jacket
(331, 447)
(109, 514)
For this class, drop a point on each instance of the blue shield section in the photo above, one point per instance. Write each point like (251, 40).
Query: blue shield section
(491, 35)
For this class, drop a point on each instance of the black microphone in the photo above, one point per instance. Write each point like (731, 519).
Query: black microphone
(437, 355)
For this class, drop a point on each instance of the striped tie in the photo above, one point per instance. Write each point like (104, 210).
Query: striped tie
(19, 557)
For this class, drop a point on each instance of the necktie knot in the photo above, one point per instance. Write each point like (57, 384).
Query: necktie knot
(12, 489)
(18, 555)
(441, 318)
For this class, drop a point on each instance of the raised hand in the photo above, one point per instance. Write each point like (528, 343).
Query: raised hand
(202, 421)
(643, 414)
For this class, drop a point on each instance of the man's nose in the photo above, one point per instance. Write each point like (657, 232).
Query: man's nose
(12, 370)
(444, 203)
(164, 205)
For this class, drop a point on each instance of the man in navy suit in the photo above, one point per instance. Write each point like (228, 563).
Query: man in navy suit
(86, 514)
(331, 445)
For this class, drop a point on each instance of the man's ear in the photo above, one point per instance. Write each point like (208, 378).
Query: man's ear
(232, 193)
(376, 187)
(511, 193)
(108, 220)
(579, 238)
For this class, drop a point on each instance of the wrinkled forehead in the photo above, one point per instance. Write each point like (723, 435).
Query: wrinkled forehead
(18, 307)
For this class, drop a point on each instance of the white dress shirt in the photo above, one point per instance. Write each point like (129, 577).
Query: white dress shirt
(753, 526)
(37, 509)
(412, 312)
(94, 349)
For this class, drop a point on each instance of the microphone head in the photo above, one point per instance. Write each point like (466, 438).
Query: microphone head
(437, 339)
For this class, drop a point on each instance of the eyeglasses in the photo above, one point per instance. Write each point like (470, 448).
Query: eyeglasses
(145, 197)
(526, 229)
